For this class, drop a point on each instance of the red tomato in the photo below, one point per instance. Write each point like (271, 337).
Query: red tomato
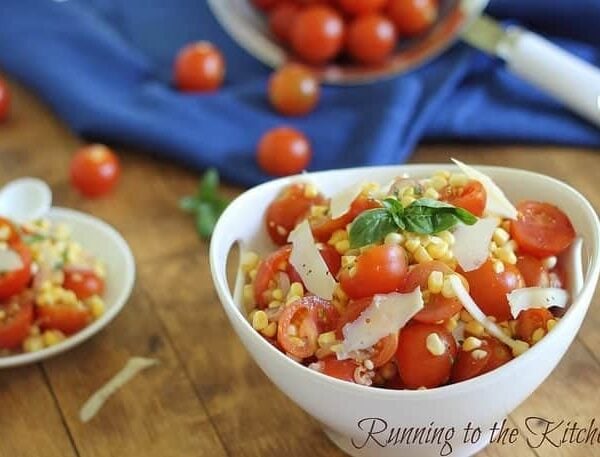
(268, 268)
(530, 320)
(467, 367)
(437, 308)
(379, 270)
(12, 234)
(359, 7)
(533, 271)
(385, 348)
(294, 90)
(371, 38)
(283, 151)
(489, 288)
(417, 366)
(340, 369)
(4, 101)
(500, 354)
(84, 283)
(265, 5)
(281, 20)
(541, 229)
(331, 257)
(412, 17)
(472, 197)
(289, 208)
(14, 282)
(95, 170)
(14, 326)
(66, 318)
(199, 67)
(317, 34)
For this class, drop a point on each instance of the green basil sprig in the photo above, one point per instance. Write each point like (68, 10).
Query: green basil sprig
(424, 216)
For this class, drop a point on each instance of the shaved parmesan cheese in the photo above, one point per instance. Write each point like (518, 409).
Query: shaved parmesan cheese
(10, 260)
(496, 204)
(340, 203)
(133, 366)
(384, 316)
(536, 297)
(472, 245)
(306, 259)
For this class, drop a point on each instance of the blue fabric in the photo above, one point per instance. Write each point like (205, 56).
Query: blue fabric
(104, 66)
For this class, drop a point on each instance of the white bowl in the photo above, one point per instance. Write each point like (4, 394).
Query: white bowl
(105, 243)
(341, 406)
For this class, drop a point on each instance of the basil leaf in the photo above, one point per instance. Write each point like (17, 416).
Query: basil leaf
(427, 216)
(208, 185)
(465, 216)
(206, 219)
(189, 204)
(431, 203)
(371, 227)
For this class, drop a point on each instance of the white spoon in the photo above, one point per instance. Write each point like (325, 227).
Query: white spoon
(25, 199)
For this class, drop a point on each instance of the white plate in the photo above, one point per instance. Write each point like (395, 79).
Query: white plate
(106, 244)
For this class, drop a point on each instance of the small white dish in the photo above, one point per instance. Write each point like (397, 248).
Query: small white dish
(104, 242)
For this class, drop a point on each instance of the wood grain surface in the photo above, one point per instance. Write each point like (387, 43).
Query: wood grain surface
(207, 397)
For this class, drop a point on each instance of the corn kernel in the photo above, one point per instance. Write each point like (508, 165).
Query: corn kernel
(52, 337)
(326, 339)
(393, 238)
(252, 274)
(431, 193)
(260, 320)
(421, 255)
(435, 345)
(342, 246)
(291, 299)
(310, 190)
(500, 236)
(435, 282)
(448, 237)
(407, 200)
(275, 304)
(96, 306)
(438, 182)
(4, 233)
(249, 261)
(474, 328)
(549, 262)
(277, 294)
(406, 191)
(297, 289)
(248, 295)
(318, 210)
(412, 245)
(348, 260)
(447, 289)
(452, 323)
(437, 250)
(506, 255)
(479, 354)
(336, 236)
(513, 326)
(512, 245)
(519, 347)
(551, 324)
(458, 180)
(498, 266)
(471, 343)
(33, 343)
(270, 330)
(537, 335)
(465, 316)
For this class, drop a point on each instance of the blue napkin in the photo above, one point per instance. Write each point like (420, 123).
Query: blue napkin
(105, 66)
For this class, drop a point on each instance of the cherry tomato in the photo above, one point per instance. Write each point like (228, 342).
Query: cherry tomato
(412, 17)
(66, 318)
(84, 283)
(467, 366)
(14, 282)
(95, 170)
(437, 308)
(371, 38)
(541, 229)
(294, 90)
(331, 257)
(417, 366)
(317, 34)
(283, 151)
(500, 354)
(360, 7)
(10, 234)
(489, 288)
(471, 197)
(385, 348)
(4, 101)
(265, 5)
(281, 20)
(340, 369)
(289, 208)
(533, 271)
(199, 67)
(378, 270)
(268, 268)
(17, 319)
(530, 320)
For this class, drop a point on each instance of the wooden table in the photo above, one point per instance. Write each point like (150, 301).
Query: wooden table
(207, 397)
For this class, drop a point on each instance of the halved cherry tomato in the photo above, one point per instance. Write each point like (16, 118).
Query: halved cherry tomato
(323, 227)
(378, 270)
(290, 207)
(268, 268)
(412, 17)
(283, 151)
(14, 326)
(294, 90)
(340, 369)
(66, 318)
(530, 320)
(199, 67)
(331, 257)
(10, 234)
(358, 7)
(437, 308)
(500, 354)
(317, 34)
(14, 282)
(417, 366)
(95, 170)
(471, 197)
(541, 229)
(371, 38)
(84, 283)
(533, 271)
(281, 20)
(4, 101)
(489, 288)
(467, 366)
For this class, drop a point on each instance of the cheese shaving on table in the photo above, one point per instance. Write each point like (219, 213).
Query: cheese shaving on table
(472, 243)
(133, 366)
(386, 315)
(536, 297)
(340, 203)
(308, 262)
(10, 260)
(496, 204)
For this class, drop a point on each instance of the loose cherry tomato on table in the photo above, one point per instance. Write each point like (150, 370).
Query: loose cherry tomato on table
(378, 270)
(541, 229)
(437, 308)
(340, 369)
(4, 101)
(371, 38)
(471, 197)
(95, 170)
(412, 17)
(283, 151)
(489, 288)
(281, 20)
(360, 7)
(494, 354)
(66, 318)
(16, 320)
(294, 90)
(533, 271)
(530, 320)
(317, 34)
(84, 283)
(417, 366)
(199, 67)
(14, 282)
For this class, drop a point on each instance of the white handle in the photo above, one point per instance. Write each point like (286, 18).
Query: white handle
(569, 79)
